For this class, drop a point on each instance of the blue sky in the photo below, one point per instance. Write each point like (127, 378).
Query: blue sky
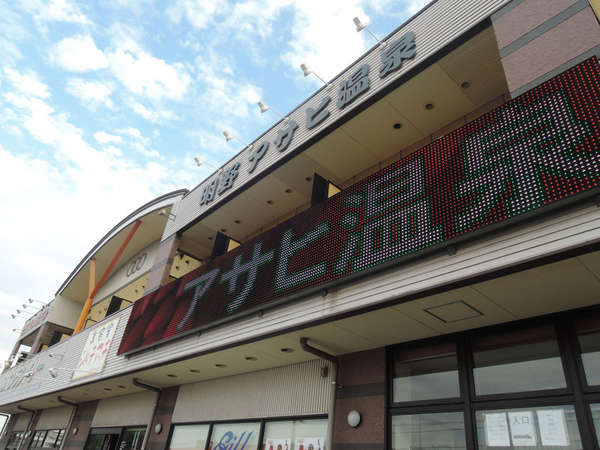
(104, 104)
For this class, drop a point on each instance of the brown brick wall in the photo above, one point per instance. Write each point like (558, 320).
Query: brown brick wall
(164, 413)
(362, 386)
(539, 39)
(83, 421)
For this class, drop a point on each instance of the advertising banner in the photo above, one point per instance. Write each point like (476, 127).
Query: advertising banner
(93, 355)
(534, 153)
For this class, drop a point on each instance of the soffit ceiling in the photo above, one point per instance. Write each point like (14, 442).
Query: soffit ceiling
(367, 141)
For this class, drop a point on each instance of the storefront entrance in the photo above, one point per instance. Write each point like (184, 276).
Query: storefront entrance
(130, 438)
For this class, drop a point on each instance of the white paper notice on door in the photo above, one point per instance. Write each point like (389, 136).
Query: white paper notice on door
(496, 430)
(522, 429)
(553, 427)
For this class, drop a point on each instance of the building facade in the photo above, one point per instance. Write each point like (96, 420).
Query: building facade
(409, 259)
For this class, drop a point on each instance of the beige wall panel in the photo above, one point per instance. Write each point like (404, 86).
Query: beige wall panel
(557, 46)
(525, 17)
(65, 312)
(134, 409)
(54, 418)
(292, 390)
(22, 422)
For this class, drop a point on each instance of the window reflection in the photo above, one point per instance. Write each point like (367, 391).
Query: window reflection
(505, 362)
(595, 407)
(590, 356)
(425, 373)
(189, 437)
(295, 435)
(428, 431)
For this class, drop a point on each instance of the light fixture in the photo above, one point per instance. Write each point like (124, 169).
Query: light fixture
(429, 106)
(287, 350)
(75, 430)
(23, 312)
(353, 418)
(363, 26)
(200, 162)
(14, 316)
(264, 108)
(158, 428)
(15, 330)
(167, 214)
(229, 137)
(397, 126)
(30, 300)
(307, 71)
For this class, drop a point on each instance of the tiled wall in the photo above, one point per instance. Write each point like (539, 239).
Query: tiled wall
(361, 386)
(539, 39)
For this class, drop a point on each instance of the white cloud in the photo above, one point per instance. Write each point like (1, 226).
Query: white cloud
(55, 11)
(79, 54)
(104, 137)
(93, 93)
(145, 75)
(131, 131)
(27, 83)
(198, 12)
(153, 115)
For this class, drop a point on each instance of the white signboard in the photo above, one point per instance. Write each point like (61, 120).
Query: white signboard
(310, 444)
(522, 429)
(553, 427)
(496, 430)
(93, 355)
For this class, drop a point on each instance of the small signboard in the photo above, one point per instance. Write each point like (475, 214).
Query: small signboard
(93, 355)
(496, 430)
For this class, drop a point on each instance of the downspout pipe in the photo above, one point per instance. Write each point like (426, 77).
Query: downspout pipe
(336, 368)
(158, 391)
(28, 428)
(71, 418)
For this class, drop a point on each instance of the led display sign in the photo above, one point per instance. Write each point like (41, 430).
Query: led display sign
(533, 153)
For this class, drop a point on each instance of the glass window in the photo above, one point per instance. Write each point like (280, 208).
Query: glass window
(38, 439)
(235, 435)
(529, 428)
(308, 434)
(51, 438)
(429, 431)
(188, 437)
(132, 438)
(596, 417)
(505, 362)
(15, 440)
(590, 356)
(425, 373)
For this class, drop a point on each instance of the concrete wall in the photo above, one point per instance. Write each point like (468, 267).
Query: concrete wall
(298, 389)
(133, 409)
(539, 39)
(65, 312)
(362, 378)
(54, 418)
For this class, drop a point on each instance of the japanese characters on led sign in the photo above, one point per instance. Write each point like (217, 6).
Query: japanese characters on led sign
(511, 163)
(350, 89)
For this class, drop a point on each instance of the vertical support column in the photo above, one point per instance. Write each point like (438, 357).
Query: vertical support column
(362, 379)
(82, 422)
(13, 353)
(37, 342)
(164, 414)
(220, 246)
(159, 275)
(319, 190)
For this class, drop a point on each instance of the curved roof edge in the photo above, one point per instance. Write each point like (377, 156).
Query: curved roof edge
(118, 227)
